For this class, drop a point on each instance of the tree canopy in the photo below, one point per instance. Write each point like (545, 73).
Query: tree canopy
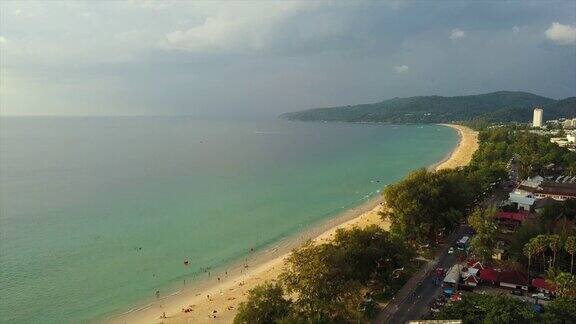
(489, 309)
(330, 282)
(427, 203)
(483, 243)
(266, 304)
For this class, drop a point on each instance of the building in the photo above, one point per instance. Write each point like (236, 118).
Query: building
(489, 275)
(533, 182)
(550, 189)
(461, 274)
(569, 123)
(522, 199)
(513, 279)
(559, 188)
(543, 286)
(560, 141)
(537, 120)
(517, 217)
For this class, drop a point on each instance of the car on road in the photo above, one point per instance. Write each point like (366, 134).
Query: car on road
(517, 292)
(451, 250)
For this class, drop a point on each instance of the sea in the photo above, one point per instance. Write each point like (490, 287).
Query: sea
(98, 213)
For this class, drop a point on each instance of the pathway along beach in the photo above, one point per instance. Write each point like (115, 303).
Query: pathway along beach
(220, 294)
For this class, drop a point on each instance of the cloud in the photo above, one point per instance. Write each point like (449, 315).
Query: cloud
(561, 34)
(457, 34)
(401, 69)
(515, 29)
(235, 28)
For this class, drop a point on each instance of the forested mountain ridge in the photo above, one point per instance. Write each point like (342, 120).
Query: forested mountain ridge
(501, 106)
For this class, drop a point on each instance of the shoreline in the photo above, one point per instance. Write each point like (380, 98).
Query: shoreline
(228, 286)
(436, 166)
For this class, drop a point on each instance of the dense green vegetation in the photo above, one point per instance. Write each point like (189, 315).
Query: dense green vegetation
(532, 152)
(476, 308)
(266, 304)
(547, 243)
(484, 242)
(489, 309)
(502, 106)
(428, 204)
(560, 311)
(332, 282)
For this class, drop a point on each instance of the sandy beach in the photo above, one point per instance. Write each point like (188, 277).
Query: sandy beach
(220, 294)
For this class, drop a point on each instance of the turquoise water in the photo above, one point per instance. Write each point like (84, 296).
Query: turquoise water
(98, 213)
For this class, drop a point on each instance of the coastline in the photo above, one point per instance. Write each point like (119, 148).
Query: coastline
(225, 289)
(462, 153)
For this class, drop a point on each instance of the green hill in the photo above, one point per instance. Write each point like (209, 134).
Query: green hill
(501, 106)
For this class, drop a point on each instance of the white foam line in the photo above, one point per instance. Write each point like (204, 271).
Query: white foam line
(137, 309)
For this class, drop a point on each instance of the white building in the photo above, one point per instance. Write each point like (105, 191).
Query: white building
(522, 199)
(460, 272)
(537, 121)
(569, 123)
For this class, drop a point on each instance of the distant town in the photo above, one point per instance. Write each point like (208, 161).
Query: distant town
(562, 131)
(526, 262)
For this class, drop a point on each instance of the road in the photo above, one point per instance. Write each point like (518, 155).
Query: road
(411, 302)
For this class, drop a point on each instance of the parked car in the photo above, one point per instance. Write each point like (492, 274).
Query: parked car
(451, 250)
(541, 296)
(517, 292)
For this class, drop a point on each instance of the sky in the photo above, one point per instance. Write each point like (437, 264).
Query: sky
(256, 58)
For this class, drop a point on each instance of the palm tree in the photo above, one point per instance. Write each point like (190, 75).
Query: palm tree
(541, 245)
(529, 250)
(570, 247)
(554, 243)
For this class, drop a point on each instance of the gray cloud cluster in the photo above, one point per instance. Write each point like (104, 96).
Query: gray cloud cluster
(256, 57)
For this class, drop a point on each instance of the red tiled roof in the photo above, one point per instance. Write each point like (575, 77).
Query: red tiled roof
(516, 216)
(513, 277)
(489, 274)
(542, 284)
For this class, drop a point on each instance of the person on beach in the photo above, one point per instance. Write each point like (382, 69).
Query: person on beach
(157, 294)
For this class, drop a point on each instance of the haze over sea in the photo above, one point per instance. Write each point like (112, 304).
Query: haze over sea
(97, 213)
